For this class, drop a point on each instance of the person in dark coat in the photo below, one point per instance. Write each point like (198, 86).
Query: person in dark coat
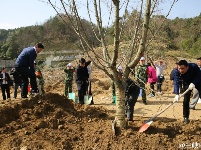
(81, 79)
(173, 76)
(131, 93)
(5, 88)
(24, 65)
(191, 76)
(17, 81)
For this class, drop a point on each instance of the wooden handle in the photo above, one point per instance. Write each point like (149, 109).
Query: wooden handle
(168, 106)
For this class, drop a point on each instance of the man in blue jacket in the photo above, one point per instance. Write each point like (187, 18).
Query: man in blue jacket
(24, 65)
(191, 76)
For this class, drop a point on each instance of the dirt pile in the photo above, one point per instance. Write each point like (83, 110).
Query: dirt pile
(54, 122)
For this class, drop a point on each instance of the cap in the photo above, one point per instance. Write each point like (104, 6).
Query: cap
(82, 60)
(34, 62)
(69, 65)
(119, 68)
(142, 58)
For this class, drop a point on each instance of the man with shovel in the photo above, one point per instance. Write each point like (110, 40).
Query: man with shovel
(191, 76)
(195, 97)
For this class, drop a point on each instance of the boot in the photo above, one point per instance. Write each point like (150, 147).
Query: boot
(186, 120)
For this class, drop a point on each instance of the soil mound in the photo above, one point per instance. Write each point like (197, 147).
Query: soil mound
(54, 122)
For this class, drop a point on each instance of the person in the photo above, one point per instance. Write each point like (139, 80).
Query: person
(160, 65)
(24, 65)
(5, 88)
(17, 81)
(39, 79)
(81, 79)
(199, 62)
(69, 70)
(152, 78)
(195, 97)
(142, 77)
(131, 93)
(172, 77)
(191, 76)
(120, 71)
(89, 70)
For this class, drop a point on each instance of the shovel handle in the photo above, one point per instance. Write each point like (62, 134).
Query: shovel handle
(167, 106)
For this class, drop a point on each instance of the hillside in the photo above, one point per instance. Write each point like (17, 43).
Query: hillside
(179, 35)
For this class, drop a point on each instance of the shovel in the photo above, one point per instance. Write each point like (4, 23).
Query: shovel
(88, 98)
(147, 123)
(71, 96)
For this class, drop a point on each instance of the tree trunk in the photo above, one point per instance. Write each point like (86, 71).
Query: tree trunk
(120, 106)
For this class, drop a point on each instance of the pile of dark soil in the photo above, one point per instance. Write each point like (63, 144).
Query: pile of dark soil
(53, 122)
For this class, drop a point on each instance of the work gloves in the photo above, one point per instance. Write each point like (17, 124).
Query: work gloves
(176, 98)
(191, 86)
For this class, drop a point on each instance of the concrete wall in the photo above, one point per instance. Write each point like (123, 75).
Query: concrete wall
(7, 63)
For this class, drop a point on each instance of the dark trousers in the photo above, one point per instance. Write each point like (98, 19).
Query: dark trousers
(68, 87)
(152, 87)
(186, 111)
(82, 92)
(16, 85)
(26, 73)
(131, 99)
(5, 89)
(159, 83)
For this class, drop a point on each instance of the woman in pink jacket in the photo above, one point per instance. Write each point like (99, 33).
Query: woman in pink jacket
(152, 78)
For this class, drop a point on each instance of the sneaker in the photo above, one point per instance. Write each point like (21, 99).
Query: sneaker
(193, 108)
(152, 95)
(145, 103)
(130, 120)
(186, 120)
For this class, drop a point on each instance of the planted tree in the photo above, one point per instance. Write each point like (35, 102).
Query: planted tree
(108, 56)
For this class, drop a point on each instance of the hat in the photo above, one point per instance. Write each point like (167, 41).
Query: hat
(82, 60)
(119, 68)
(69, 65)
(142, 58)
(34, 62)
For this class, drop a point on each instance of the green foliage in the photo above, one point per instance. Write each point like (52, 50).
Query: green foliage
(178, 34)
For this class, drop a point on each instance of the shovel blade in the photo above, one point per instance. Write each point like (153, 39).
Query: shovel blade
(145, 126)
(71, 96)
(88, 99)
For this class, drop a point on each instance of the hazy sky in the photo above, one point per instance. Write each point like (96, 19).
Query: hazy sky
(20, 13)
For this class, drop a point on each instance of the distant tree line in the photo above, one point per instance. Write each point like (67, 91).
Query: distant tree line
(177, 34)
